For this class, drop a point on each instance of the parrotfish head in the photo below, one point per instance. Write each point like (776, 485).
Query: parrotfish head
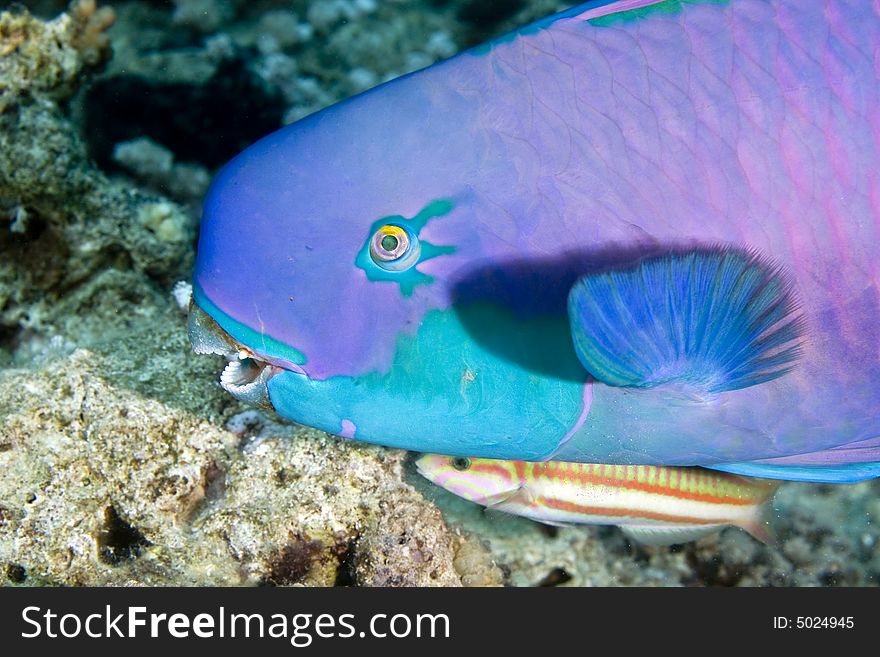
(311, 254)
(484, 481)
(488, 259)
(342, 270)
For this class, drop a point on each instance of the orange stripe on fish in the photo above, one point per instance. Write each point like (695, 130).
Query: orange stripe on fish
(489, 467)
(660, 505)
(574, 507)
(582, 475)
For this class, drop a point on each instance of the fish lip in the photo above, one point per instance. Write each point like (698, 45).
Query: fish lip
(207, 337)
(421, 469)
(425, 474)
(246, 375)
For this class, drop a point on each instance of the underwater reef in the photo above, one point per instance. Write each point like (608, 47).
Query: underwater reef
(122, 461)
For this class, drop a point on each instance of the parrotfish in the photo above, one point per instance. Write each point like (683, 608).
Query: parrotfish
(635, 232)
(655, 505)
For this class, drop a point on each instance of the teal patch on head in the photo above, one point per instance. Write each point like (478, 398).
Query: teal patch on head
(434, 209)
(410, 277)
(630, 15)
(446, 393)
(264, 345)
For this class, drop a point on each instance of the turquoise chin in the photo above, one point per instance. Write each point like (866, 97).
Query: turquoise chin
(502, 410)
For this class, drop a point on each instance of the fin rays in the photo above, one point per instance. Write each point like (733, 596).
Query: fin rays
(715, 319)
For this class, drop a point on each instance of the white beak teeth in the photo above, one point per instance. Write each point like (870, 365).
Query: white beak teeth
(244, 377)
(206, 336)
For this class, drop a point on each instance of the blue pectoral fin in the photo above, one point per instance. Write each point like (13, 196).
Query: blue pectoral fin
(709, 320)
(845, 473)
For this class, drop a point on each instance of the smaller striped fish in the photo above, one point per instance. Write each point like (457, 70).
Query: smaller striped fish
(655, 505)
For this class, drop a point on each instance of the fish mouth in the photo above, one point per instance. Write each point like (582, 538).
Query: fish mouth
(423, 469)
(246, 376)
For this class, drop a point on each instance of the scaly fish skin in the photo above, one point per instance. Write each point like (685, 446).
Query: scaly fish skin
(483, 258)
(654, 504)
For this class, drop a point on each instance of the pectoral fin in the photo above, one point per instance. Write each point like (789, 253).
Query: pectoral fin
(711, 320)
(518, 497)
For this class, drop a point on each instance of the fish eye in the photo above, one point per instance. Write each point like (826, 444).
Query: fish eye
(394, 248)
(461, 463)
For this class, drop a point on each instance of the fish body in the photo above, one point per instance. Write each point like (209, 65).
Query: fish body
(654, 504)
(635, 232)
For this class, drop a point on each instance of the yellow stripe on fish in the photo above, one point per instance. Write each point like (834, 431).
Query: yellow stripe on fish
(658, 505)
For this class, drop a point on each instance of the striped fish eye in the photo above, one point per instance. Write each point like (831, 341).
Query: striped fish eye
(394, 248)
(461, 463)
